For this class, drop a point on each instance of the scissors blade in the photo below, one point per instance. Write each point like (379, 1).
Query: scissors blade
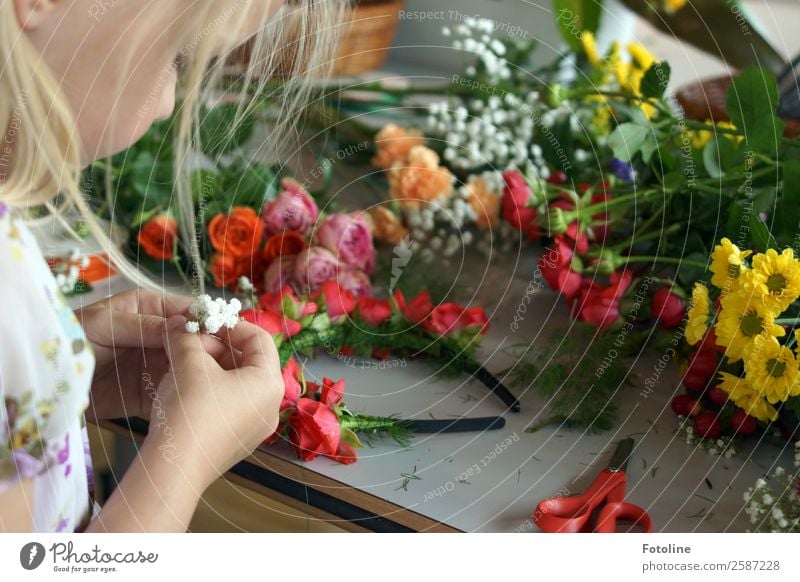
(622, 454)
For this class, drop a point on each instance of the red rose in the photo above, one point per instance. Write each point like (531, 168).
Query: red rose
(516, 195)
(337, 301)
(331, 392)
(291, 382)
(742, 423)
(314, 429)
(701, 369)
(272, 322)
(374, 311)
(157, 237)
(685, 405)
(418, 308)
(707, 425)
(451, 317)
(668, 308)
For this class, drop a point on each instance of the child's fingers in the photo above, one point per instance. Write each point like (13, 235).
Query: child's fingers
(256, 345)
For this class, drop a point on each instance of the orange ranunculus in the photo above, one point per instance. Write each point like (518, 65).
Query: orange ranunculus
(224, 269)
(420, 180)
(157, 237)
(283, 244)
(393, 144)
(238, 234)
(484, 201)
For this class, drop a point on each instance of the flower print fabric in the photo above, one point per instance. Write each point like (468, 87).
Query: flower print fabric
(46, 367)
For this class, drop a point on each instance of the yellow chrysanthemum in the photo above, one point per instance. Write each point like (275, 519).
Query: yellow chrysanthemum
(745, 397)
(727, 262)
(772, 370)
(699, 308)
(590, 47)
(776, 277)
(741, 320)
(672, 6)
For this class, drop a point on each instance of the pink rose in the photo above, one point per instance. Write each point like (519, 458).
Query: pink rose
(349, 237)
(293, 209)
(314, 266)
(357, 282)
(280, 273)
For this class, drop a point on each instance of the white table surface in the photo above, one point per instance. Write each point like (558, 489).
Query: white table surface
(500, 494)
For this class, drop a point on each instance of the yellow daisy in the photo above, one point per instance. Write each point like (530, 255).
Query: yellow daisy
(699, 309)
(742, 395)
(772, 370)
(590, 47)
(740, 321)
(727, 263)
(776, 277)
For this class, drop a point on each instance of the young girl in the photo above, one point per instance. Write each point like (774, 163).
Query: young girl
(80, 80)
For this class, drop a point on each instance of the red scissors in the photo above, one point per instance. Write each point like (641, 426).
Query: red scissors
(574, 514)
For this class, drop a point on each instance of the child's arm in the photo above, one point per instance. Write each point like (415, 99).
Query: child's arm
(16, 507)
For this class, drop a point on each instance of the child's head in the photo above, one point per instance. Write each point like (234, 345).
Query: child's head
(82, 79)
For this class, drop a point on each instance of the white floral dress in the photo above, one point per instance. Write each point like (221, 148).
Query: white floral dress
(46, 367)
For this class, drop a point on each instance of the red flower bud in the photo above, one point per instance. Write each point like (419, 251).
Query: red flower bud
(707, 425)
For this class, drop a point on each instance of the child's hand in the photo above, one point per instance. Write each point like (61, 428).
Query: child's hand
(211, 417)
(126, 333)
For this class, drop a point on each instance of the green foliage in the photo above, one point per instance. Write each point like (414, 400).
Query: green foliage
(656, 80)
(751, 103)
(575, 16)
(576, 375)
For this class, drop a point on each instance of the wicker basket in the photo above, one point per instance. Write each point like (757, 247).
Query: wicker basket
(705, 100)
(366, 42)
(363, 45)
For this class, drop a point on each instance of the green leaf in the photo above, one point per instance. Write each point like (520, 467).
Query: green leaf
(751, 103)
(760, 235)
(575, 16)
(788, 218)
(350, 438)
(655, 80)
(220, 130)
(718, 155)
(688, 274)
(627, 140)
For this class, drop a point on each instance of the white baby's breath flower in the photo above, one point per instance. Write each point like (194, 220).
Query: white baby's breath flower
(213, 315)
(192, 327)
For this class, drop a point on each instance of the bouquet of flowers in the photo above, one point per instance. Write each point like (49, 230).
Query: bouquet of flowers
(314, 418)
(745, 374)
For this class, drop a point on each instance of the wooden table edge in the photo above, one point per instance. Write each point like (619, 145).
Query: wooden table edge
(300, 488)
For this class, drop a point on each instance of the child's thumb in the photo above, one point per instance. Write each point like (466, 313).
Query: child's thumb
(179, 343)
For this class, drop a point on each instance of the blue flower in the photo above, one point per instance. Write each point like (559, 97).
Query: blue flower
(623, 170)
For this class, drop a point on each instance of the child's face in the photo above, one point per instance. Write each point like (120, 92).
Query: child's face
(116, 62)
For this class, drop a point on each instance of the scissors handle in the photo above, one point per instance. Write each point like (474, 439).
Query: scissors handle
(614, 511)
(572, 514)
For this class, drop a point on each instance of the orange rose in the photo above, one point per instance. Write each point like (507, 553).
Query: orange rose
(224, 269)
(419, 180)
(238, 234)
(393, 144)
(283, 244)
(386, 226)
(157, 237)
(484, 201)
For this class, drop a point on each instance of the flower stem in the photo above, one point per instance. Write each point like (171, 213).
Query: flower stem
(668, 260)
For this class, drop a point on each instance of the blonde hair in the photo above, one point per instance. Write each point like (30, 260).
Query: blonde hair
(296, 45)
